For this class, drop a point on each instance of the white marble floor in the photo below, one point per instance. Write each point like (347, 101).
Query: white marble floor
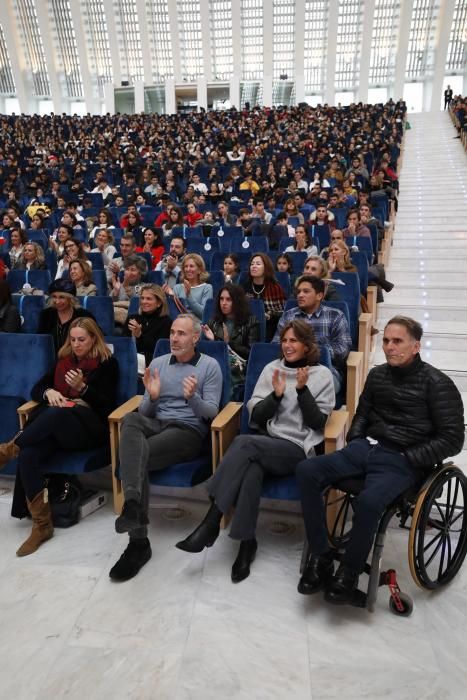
(181, 630)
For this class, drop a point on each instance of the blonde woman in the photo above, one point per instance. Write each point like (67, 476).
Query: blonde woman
(193, 291)
(62, 309)
(32, 257)
(75, 400)
(151, 323)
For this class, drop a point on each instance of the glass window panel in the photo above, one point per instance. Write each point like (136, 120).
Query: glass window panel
(97, 43)
(252, 39)
(65, 41)
(315, 46)
(160, 40)
(220, 12)
(191, 44)
(421, 50)
(283, 17)
(384, 41)
(32, 45)
(131, 55)
(348, 44)
(456, 59)
(7, 83)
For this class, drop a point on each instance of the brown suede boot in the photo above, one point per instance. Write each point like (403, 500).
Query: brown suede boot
(42, 526)
(8, 450)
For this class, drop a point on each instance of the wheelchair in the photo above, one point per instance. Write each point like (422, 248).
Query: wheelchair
(436, 516)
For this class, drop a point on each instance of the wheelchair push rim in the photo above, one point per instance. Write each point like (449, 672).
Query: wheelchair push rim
(438, 534)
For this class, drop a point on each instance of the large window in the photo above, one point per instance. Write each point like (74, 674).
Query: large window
(160, 41)
(221, 38)
(315, 48)
(129, 42)
(384, 41)
(32, 45)
(420, 55)
(7, 84)
(283, 38)
(66, 40)
(191, 44)
(97, 42)
(456, 59)
(252, 39)
(348, 44)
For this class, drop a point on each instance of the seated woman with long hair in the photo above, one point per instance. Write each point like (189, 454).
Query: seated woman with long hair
(72, 250)
(302, 242)
(233, 323)
(18, 240)
(152, 244)
(289, 407)
(151, 323)
(31, 258)
(81, 275)
(262, 284)
(61, 310)
(317, 267)
(193, 291)
(231, 268)
(75, 400)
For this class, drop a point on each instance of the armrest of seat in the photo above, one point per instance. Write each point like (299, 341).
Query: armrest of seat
(371, 296)
(224, 428)
(354, 381)
(24, 410)
(115, 421)
(336, 431)
(364, 343)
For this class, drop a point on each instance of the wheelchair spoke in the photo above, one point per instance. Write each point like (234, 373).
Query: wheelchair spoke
(438, 507)
(440, 538)
(441, 562)
(454, 520)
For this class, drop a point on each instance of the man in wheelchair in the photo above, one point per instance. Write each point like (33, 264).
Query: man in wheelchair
(409, 417)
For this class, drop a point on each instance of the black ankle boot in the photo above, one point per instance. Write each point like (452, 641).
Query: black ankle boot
(133, 558)
(387, 286)
(245, 557)
(205, 534)
(318, 571)
(342, 586)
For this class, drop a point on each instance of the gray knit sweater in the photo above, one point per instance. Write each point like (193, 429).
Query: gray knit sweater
(287, 422)
(203, 406)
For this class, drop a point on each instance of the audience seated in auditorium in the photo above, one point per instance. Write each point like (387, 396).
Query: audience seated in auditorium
(260, 283)
(192, 291)
(62, 308)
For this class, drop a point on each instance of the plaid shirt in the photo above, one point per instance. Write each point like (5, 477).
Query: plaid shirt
(330, 327)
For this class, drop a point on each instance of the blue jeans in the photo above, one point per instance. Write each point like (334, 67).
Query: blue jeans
(386, 473)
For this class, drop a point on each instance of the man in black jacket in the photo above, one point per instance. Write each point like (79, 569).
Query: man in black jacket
(409, 418)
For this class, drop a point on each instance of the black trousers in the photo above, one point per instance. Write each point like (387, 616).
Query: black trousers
(239, 477)
(51, 430)
(386, 475)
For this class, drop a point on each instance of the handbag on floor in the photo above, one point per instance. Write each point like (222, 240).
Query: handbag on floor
(64, 492)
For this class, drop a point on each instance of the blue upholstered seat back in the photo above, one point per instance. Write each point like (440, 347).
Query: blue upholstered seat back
(29, 308)
(102, 309)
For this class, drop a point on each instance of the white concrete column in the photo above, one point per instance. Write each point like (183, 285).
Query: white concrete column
(268, 65)
(446, 12)
(109, 97)
(333, 15)
(113, 43)
(19, 66)
(139, 96)
(234, 91)
(174, 37)
(368, 17)
(402, 48)
(202, 92)
(144, 39)
(60, 100)
(170, 101)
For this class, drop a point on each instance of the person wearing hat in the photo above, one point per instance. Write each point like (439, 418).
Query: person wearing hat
(62, 308)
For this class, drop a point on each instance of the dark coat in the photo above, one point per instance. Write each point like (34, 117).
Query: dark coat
(101, 395)
(10, 320)
(48, 323)
(153, 328)
(242, 337)
(416, 410)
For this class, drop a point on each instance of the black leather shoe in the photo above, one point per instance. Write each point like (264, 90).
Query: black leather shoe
(245, 557)
(318, 571)
(132, 517)
(205, 534)
(342, 586)
(132, 560)
(387, 286)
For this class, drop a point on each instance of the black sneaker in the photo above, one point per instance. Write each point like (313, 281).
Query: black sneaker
(342, 586)
(132, 560)
(318, 571)
(131, 518)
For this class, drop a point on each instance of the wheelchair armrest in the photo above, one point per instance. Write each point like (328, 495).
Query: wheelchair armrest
(364, 340)
(115, 421)
(354, 381)
(224, 428)
(335, 431)
(24, 410)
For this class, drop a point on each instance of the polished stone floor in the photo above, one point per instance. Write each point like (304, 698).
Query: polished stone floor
(181, 630)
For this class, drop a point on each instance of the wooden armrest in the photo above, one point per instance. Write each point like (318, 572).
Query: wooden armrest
(354, 381)
(24, 410)
(224, 428)
(335, 431)
(364, 343)
(127, 407)
(371, 297)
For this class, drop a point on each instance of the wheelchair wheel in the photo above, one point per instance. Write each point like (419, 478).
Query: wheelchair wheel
(339, 513)
(407, 605)
(438, 535)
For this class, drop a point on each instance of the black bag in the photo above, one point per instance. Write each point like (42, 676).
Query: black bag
(64, 498)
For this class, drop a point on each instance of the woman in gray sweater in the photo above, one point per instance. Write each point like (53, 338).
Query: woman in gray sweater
(288, 410)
